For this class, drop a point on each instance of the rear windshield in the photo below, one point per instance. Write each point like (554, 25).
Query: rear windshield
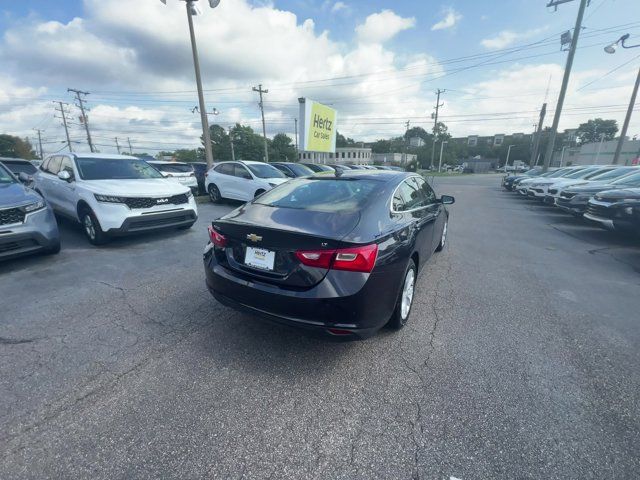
(301, 170)
(632, 179)
(110, 169)
(582, 173)
(323, 195)
(21, 167)
(173, 168)
(262, 170)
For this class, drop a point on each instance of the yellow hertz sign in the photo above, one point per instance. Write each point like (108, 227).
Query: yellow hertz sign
(318, 129)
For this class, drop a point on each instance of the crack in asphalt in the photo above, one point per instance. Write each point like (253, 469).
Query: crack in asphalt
(17, 341)
(607, 251)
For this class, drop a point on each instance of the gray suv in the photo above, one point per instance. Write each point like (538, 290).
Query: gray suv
(27, 223)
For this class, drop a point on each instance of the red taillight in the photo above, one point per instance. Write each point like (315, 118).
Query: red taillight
(357, 259)
(217, 238)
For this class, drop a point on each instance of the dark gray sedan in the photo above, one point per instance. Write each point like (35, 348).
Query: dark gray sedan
(27, 223)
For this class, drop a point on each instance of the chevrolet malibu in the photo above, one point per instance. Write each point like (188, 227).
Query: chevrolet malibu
(335, 253)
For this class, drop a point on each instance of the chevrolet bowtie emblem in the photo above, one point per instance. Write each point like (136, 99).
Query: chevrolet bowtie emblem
(254, 238)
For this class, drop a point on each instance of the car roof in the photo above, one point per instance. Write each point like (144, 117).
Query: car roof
(385, 175)
(106, 156)
(164, 162)
(14, 160)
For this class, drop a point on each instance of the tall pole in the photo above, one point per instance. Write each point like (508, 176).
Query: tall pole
(208, 151)
(64, 122)
(85, 119)
(538, 136)
(562, 155)
(264, 128)
(296, 130)
(117, 145)
(599, 149)
(565, 83)
(440, 163)
(506, 163)
(627, 119)
(40, 142)
(233, 153)
(130, 149)
(406, 140)
(435, 126)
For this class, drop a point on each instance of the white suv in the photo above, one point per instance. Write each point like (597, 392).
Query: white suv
(179, 172)
(241, 180)
(113, 194)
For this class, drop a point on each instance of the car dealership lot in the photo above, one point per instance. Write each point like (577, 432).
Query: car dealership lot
(520, 360)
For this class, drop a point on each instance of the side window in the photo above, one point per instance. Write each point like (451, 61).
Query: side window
(43, 167)
(411, 193)
(428, 194)
(241, 172)
(66, 164)
(224, 169)
(53, 167)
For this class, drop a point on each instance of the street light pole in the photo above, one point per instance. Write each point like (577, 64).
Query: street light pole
(233, 153)
(627, 119)
(562, 155)
(599, 148)
(203, 111)
(507, 160)
(440, 162)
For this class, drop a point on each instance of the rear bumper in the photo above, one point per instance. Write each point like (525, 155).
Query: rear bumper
(38, 232)
(355, 302)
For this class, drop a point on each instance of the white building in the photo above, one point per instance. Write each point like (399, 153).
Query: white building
(397, 158)
(353, 155)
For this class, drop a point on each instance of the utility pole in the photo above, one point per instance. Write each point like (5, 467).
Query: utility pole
(296, 130)
(206, 136)
(130, 148)
(40, 142)
(565, 79)
(506, 163)
(117, 145)
(84, 119)
(538, 136)
(435, 126)
(64, 122)
(406, 139)
(627, 119)
(233, 153)
(264, 128)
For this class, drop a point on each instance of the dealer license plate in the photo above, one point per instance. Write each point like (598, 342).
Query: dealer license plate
(259, 258)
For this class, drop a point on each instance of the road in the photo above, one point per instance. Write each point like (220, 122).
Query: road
(520, 361)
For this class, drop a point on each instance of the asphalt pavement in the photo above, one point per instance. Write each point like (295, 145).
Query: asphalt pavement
(520, 360)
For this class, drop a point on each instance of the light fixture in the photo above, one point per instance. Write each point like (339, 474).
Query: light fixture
(611, 48)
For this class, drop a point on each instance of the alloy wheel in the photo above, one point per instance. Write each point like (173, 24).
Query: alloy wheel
(407, 294)
(89, 227)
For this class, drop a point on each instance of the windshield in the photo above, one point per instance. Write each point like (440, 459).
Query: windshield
(21, 167)
(615, 173)
(5, 176)
(262, 170)
(301, 170)
(173, 167)
(581, 173)
(115, 169)
(323, 195)
(632, 179)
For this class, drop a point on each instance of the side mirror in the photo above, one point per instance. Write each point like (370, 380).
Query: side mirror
(65, 175)
(447, 200)
(24, 178)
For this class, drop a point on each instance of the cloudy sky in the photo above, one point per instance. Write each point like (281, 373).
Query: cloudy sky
(377, 62)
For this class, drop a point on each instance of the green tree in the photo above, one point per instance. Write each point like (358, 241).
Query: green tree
(591, 131)
(281, 148)
(11, 146)
(342, 141)
(381, 146)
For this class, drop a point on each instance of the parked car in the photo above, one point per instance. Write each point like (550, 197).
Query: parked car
(538, 189)
(22, 169)
(553, 190)
(574, 199)
(113, 194)
(200, 169)
(522, 186)
(36, 163)
(339, 167)
(339, 254)
(182, 173)
(319, 167)
(508, 180)
(616, 210)
(27, 223)
(243, 180)
(292, 169)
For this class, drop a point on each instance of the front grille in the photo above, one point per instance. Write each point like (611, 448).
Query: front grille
(568, 195)
(19, 245)
(146, 202)
(11, 215)
(158, 222)
(600, 211)
(538, 190)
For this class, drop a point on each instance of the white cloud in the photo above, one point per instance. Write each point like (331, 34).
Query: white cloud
(338, 6)
(451, 17)
(507, 37)
(380, 27)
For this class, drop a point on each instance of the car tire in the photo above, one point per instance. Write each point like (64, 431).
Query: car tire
(214, 194)
(258, 193)
(443, 238)
(402, 310)
(91, 228)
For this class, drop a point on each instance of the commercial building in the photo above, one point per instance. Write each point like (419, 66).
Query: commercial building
(352, 155)
(600, 153)
(396, 158)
